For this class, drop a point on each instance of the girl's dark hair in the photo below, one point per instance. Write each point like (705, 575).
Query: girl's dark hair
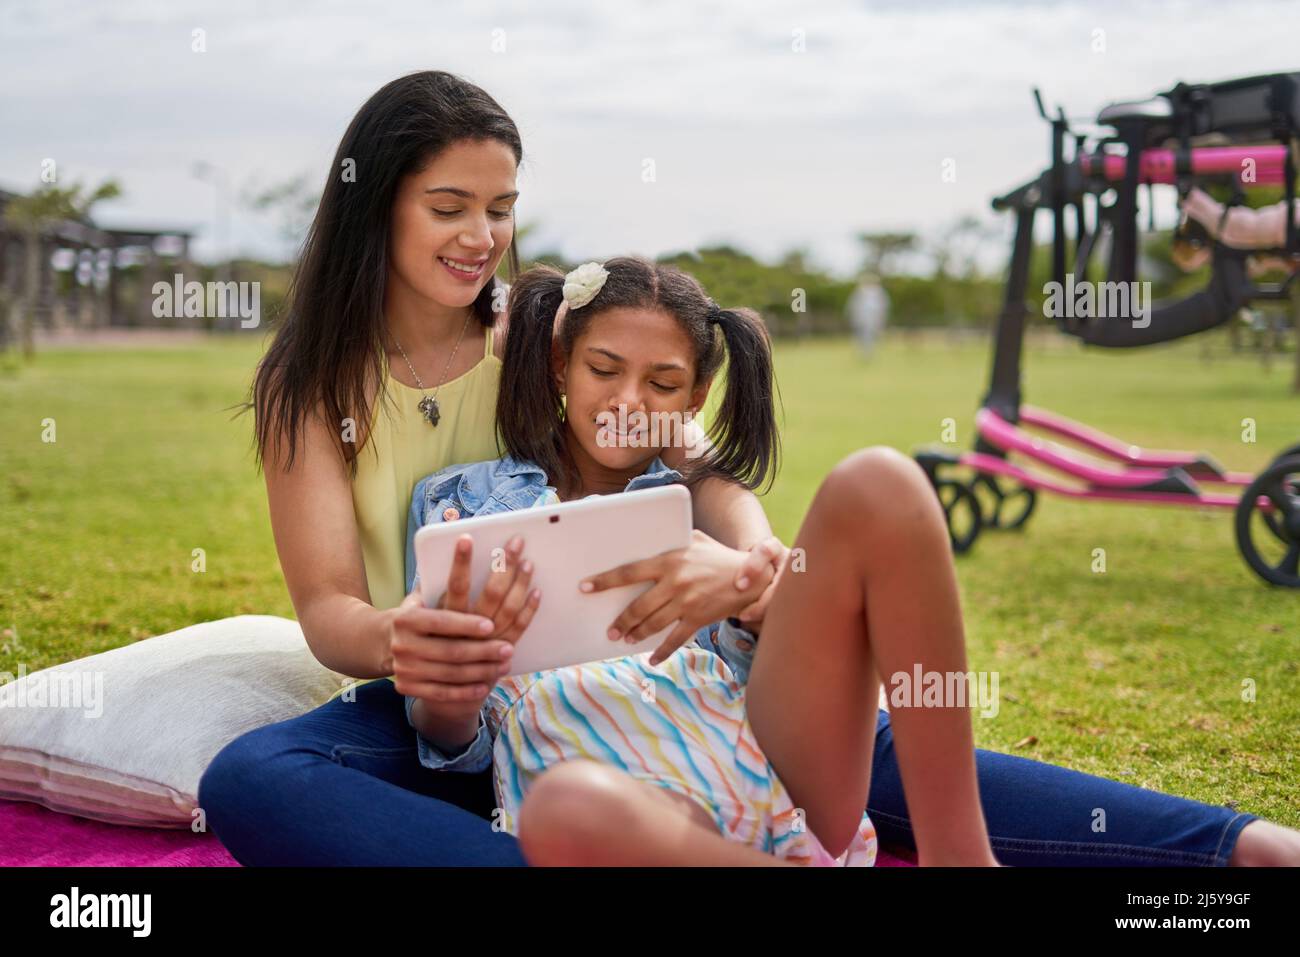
(329, 344)
(743, 434)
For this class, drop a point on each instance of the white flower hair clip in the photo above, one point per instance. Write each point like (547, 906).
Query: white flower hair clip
(581, 285)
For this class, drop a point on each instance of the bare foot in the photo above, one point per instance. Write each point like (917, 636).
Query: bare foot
(955, 862)
(1265, 844)
(964, 857)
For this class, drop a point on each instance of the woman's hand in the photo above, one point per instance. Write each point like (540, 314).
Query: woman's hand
(452, 655)
(443, 656)
(693, 586)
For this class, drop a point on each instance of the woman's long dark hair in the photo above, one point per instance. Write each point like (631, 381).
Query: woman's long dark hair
(329, 344)
(530, 417)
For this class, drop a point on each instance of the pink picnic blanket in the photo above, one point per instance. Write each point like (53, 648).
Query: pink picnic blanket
(31, 836)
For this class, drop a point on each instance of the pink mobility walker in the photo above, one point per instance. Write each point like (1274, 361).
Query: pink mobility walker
(1155, 141)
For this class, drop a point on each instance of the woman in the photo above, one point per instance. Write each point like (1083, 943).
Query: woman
(386, 369)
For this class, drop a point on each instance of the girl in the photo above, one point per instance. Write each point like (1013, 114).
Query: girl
(589, 768)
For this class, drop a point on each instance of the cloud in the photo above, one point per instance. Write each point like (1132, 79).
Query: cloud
(753, 142)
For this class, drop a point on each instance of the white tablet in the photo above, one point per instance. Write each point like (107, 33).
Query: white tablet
(566, 543)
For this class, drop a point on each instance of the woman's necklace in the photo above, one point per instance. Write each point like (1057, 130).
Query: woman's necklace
(429, 404)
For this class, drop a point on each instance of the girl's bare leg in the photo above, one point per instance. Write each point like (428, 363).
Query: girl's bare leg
(877, 595)
(585, 814)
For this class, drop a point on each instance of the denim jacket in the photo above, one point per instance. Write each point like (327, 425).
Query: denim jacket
(503, 485)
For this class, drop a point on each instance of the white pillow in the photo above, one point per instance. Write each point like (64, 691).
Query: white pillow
(124, 736)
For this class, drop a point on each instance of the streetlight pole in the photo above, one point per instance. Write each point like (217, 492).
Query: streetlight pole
(216, 177)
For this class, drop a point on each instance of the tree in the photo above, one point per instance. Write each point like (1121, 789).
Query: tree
(294, 201)
(968, 236)
(32, 215)
(883, 248)
(796, 260)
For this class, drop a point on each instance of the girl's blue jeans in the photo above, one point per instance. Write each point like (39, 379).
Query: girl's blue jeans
(342, 785)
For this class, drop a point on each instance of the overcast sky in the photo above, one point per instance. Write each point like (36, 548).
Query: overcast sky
(753, 143)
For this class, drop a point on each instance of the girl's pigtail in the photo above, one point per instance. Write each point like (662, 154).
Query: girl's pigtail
(529, 409)
(746, 443)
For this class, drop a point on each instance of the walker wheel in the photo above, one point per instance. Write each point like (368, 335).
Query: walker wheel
(1269, 538)
(962, 511)
(1286, 453)
(1003, 508)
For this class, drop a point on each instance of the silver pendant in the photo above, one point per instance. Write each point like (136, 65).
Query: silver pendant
(429, 406)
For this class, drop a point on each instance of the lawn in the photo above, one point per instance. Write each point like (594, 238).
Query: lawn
(1135, 673)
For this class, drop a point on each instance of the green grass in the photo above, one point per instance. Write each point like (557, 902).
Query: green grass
(1135, 674)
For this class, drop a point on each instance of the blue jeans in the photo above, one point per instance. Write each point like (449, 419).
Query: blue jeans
(1041, 814)
(342, 785)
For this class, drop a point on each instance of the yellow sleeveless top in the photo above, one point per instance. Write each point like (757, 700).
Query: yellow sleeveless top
(402, 448)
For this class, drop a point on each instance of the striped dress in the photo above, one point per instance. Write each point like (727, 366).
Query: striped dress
(681, 725)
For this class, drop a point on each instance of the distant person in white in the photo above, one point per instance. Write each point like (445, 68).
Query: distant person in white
(868, 309)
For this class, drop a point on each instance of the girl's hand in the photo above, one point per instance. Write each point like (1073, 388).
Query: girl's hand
(505, 598)
(693, 586)
(772, 551)
(452, 655)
